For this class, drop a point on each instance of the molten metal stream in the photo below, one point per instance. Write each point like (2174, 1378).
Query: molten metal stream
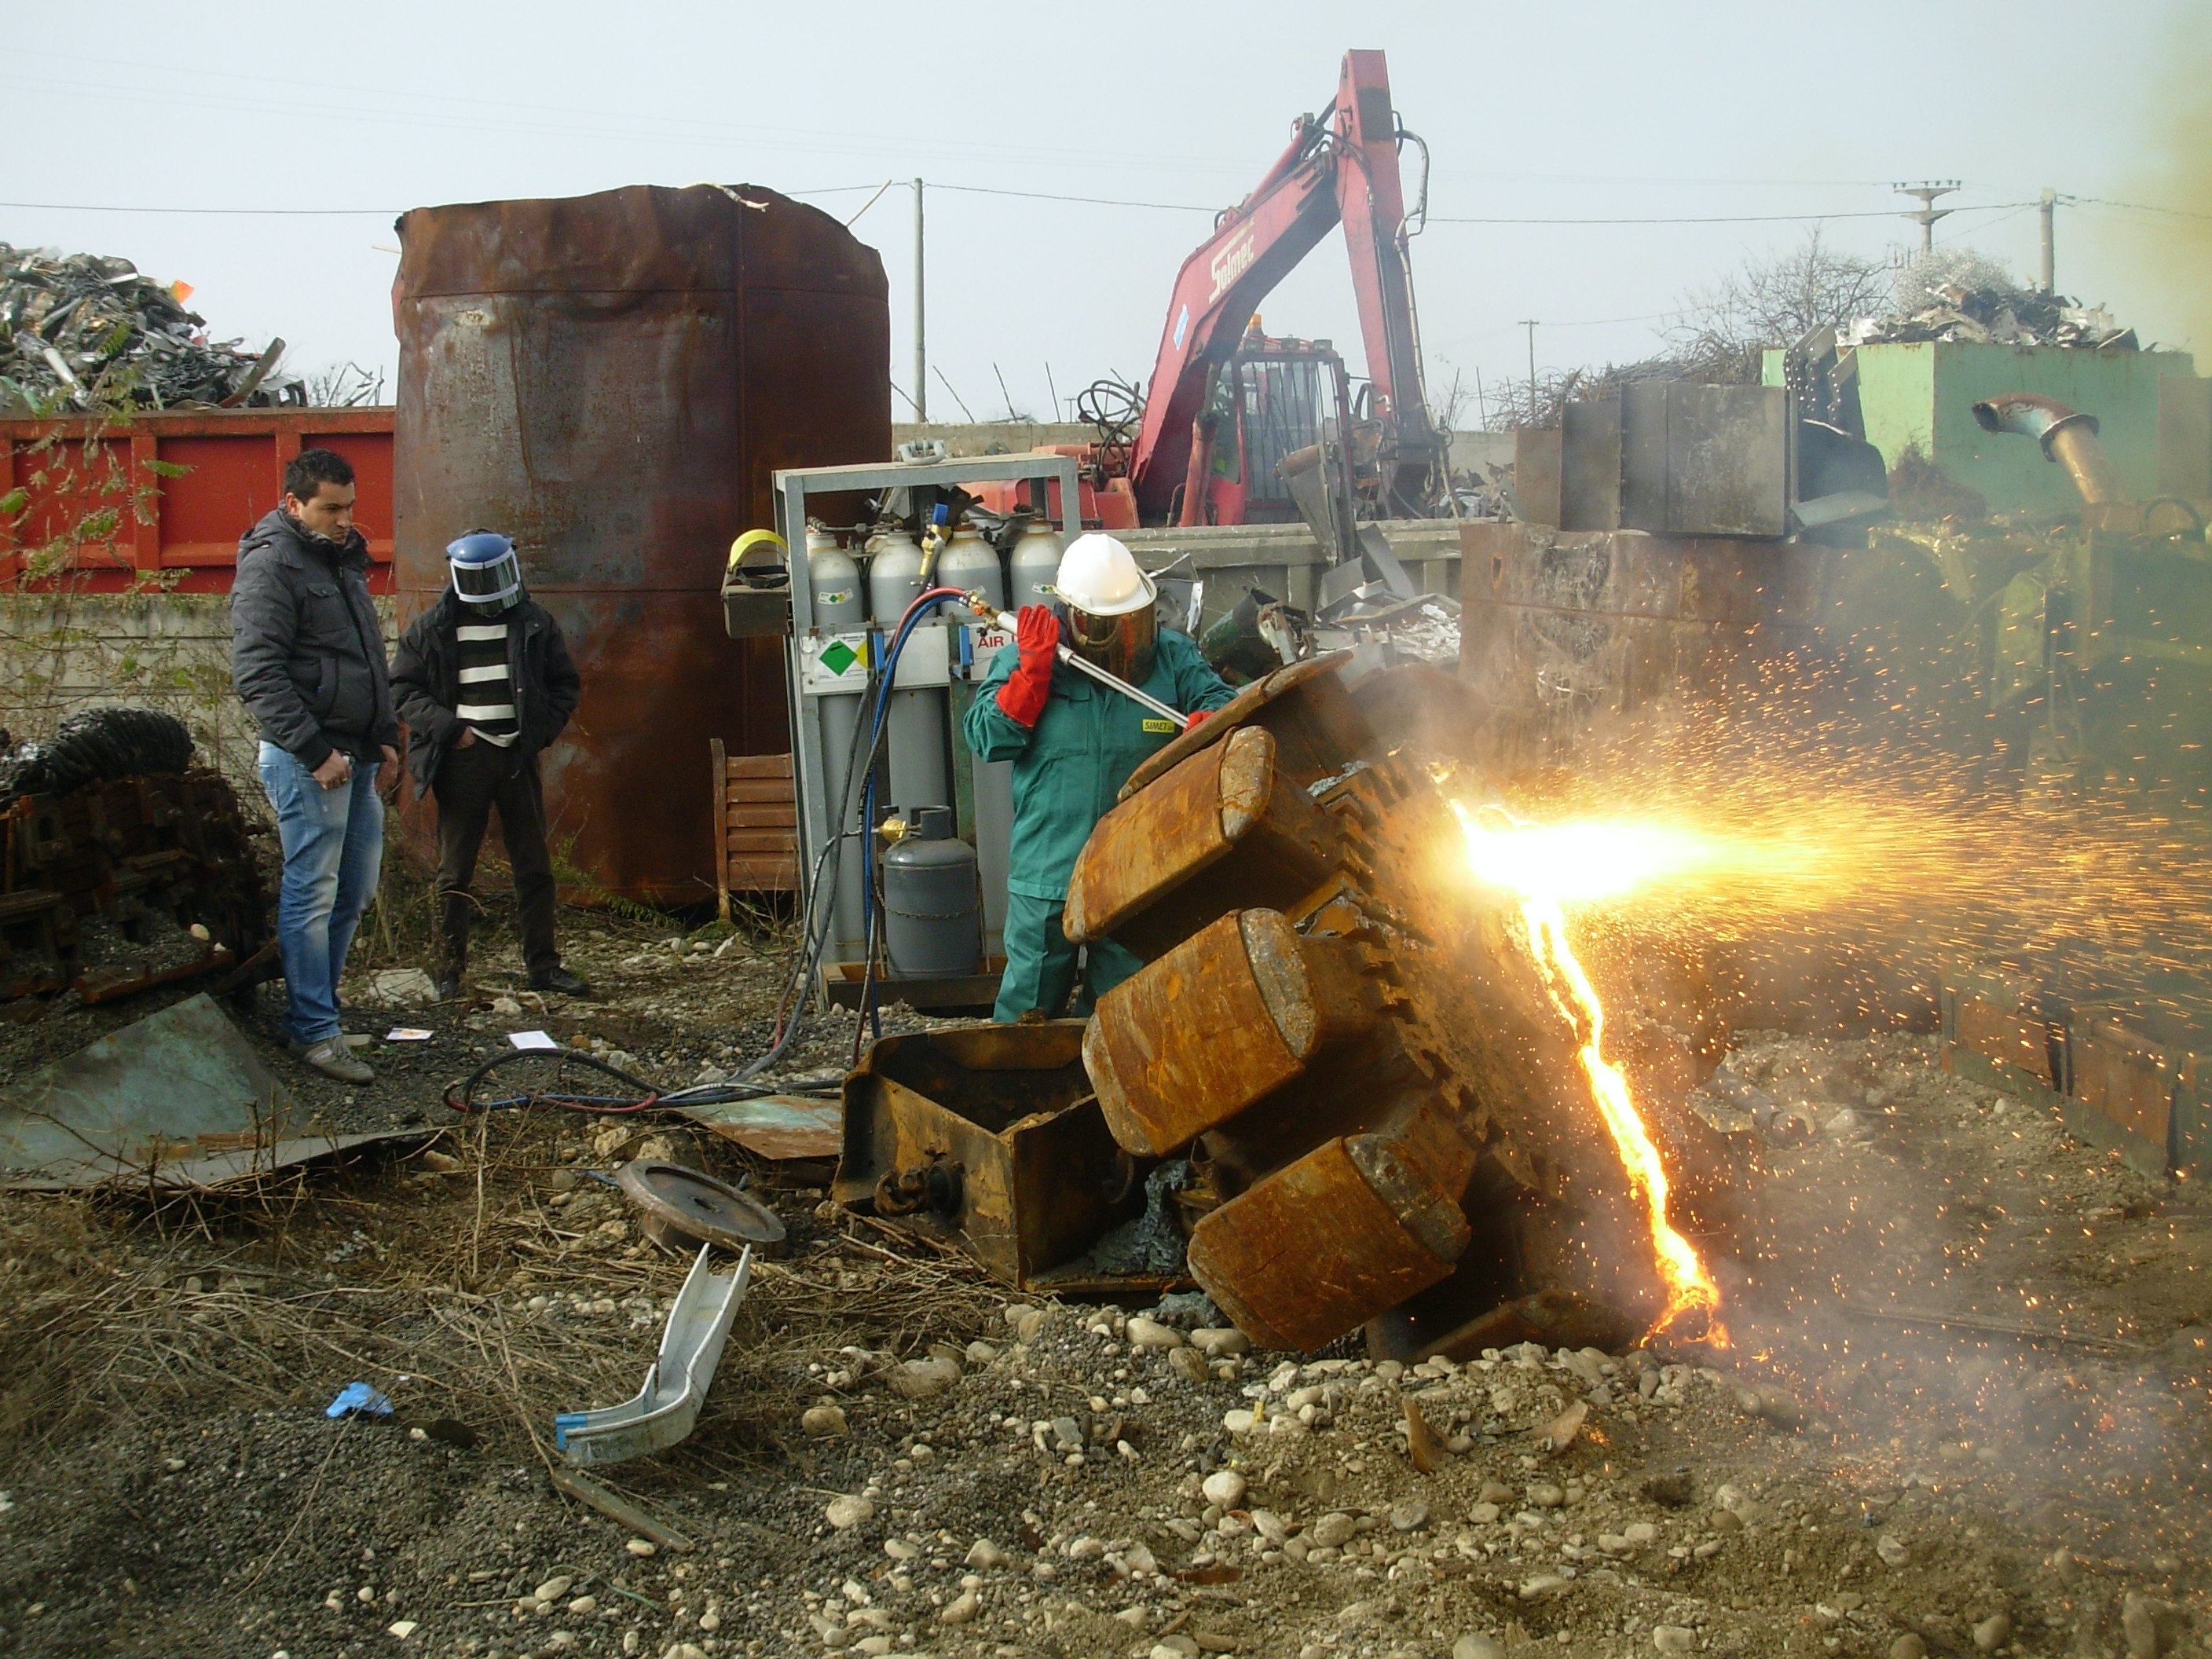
(1546, 868)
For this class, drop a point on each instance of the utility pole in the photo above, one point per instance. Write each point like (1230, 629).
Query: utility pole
(2048, 209)
(1529, 323)
(921, 332)
(1927, 213)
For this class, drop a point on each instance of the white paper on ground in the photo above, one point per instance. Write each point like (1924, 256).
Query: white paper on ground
(408, 1034)
(530, 1039)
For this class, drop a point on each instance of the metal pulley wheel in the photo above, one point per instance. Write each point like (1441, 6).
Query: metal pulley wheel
(683, 1208)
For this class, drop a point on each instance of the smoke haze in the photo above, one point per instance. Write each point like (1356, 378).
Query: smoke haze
(2174, 252)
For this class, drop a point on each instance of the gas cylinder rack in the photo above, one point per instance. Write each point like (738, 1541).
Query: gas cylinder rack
(832, 664)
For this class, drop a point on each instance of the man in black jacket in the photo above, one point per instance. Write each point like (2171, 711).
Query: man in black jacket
(484, 682)
(306, 657)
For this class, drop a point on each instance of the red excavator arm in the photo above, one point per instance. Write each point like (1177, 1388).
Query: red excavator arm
(1341, 167)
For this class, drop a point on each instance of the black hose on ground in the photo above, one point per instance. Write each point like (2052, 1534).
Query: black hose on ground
(460, 1095)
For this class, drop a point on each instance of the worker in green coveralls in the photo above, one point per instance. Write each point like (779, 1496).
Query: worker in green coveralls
(1074, 743)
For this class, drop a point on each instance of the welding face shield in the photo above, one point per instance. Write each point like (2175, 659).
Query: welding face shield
(487, 576)
(1121, 645)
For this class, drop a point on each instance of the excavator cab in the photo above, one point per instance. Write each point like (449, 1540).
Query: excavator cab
(1273, 398)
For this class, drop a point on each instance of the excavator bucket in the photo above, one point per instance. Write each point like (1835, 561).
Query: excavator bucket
(1345, 1034)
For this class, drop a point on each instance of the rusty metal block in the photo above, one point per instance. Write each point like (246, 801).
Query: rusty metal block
(1229, 796)
(1229, 1016)
(1313, 1250)
(988, 1138)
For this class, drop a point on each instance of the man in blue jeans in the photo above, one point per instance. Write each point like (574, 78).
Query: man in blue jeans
(306, 657)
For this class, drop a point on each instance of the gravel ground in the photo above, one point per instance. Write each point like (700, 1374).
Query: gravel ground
(980, 1477)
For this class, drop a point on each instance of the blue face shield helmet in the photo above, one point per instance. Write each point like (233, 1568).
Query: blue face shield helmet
(486, 574)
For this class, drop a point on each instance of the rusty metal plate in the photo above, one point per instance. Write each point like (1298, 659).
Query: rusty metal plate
(782, 1129)
(1572, 640)
(1309, 1253)
(181, 1083)
(1703, 460)
(2004, 1036)
(2123, 1072)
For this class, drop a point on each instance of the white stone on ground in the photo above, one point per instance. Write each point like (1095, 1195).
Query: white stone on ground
(1223, 1488)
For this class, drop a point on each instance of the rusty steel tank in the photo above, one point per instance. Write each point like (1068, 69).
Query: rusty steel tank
(612, 380)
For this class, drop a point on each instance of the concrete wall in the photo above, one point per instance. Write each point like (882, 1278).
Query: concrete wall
(1283, 559)
(1478, 452)
(62, 653)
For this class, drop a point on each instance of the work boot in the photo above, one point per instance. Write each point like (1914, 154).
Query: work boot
(334, 1060)
(557, 978)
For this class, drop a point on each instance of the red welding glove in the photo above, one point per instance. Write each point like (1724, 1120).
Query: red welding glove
(1037, 636)
(1196, 715)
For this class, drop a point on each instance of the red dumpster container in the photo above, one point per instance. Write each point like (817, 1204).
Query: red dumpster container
(189, 522)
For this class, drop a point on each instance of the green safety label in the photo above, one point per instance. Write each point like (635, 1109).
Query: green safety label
(839, 657)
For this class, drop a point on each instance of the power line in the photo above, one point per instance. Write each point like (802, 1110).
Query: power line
(1600, 322)
(1987, 224)
(1122, 201)
(2137, 207)
(1093, 201)
(1717, 218)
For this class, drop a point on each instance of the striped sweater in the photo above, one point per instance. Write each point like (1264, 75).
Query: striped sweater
(487, 691)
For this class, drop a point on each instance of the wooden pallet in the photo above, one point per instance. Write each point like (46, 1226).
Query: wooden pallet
(756, 825)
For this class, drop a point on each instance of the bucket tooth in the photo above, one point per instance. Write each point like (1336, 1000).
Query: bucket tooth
(1313, 1250)
(1234, 1013)
(1227, 811)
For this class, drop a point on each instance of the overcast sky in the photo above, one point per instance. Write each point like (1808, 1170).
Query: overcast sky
(1590, 110)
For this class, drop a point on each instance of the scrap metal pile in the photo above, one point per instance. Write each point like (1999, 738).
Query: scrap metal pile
(1991, 316)
(1340, 1073)
(81, 329)
(121, 867)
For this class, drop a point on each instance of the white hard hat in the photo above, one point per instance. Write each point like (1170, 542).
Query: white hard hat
(1100, 575)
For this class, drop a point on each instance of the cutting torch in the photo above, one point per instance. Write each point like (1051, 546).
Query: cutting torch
(981, 604)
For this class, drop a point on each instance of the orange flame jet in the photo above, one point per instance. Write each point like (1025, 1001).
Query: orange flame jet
(1546, 868)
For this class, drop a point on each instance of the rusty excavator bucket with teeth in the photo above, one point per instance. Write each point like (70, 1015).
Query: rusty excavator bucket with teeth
(1385, 1117)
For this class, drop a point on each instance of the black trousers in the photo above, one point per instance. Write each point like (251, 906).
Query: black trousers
(470, 784)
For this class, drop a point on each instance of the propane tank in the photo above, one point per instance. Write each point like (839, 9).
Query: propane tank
(1035, 563)
(970, 563)
(835, 581)
(933, 923)
(918, 721)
